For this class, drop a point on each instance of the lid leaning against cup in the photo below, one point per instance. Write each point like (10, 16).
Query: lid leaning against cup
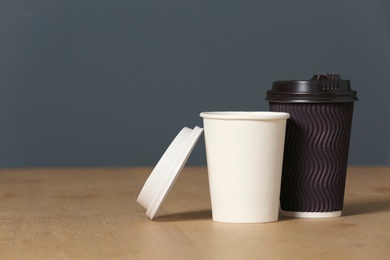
(320, 88)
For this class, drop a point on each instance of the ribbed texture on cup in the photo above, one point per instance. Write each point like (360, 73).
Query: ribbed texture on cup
(315, 155)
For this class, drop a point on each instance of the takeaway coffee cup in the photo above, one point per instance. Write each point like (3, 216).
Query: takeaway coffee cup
(244, 157)
(317, 143)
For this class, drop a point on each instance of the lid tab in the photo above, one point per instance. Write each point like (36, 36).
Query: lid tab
(328, 81)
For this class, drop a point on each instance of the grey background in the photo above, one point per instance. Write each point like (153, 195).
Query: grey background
(111, 83)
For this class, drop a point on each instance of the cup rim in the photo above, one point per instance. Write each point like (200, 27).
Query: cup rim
(245, 115)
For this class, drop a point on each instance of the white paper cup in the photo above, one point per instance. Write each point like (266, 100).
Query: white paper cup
(244, 158)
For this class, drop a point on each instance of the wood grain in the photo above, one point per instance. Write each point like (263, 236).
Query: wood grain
(91, 213)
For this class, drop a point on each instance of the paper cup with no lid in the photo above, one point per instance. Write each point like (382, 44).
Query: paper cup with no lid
(244, 158)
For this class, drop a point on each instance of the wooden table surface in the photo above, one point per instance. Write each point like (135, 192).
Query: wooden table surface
(92, 213)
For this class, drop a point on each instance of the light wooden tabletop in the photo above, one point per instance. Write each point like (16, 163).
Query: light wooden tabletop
(92, 213)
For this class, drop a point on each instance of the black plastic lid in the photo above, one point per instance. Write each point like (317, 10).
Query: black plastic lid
(321, 88)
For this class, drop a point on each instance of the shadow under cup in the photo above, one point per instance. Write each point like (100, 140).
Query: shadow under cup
(316, 145)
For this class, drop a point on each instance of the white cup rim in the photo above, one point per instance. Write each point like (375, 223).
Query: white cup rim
(245, 115)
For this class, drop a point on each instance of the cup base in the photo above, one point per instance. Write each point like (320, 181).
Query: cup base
(244, 221)
(301, 214)
(248, 217)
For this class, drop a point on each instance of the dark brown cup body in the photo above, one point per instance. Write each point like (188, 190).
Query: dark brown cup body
(317, 141)
(315, 156)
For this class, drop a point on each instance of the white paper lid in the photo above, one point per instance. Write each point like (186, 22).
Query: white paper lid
(167, 170)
